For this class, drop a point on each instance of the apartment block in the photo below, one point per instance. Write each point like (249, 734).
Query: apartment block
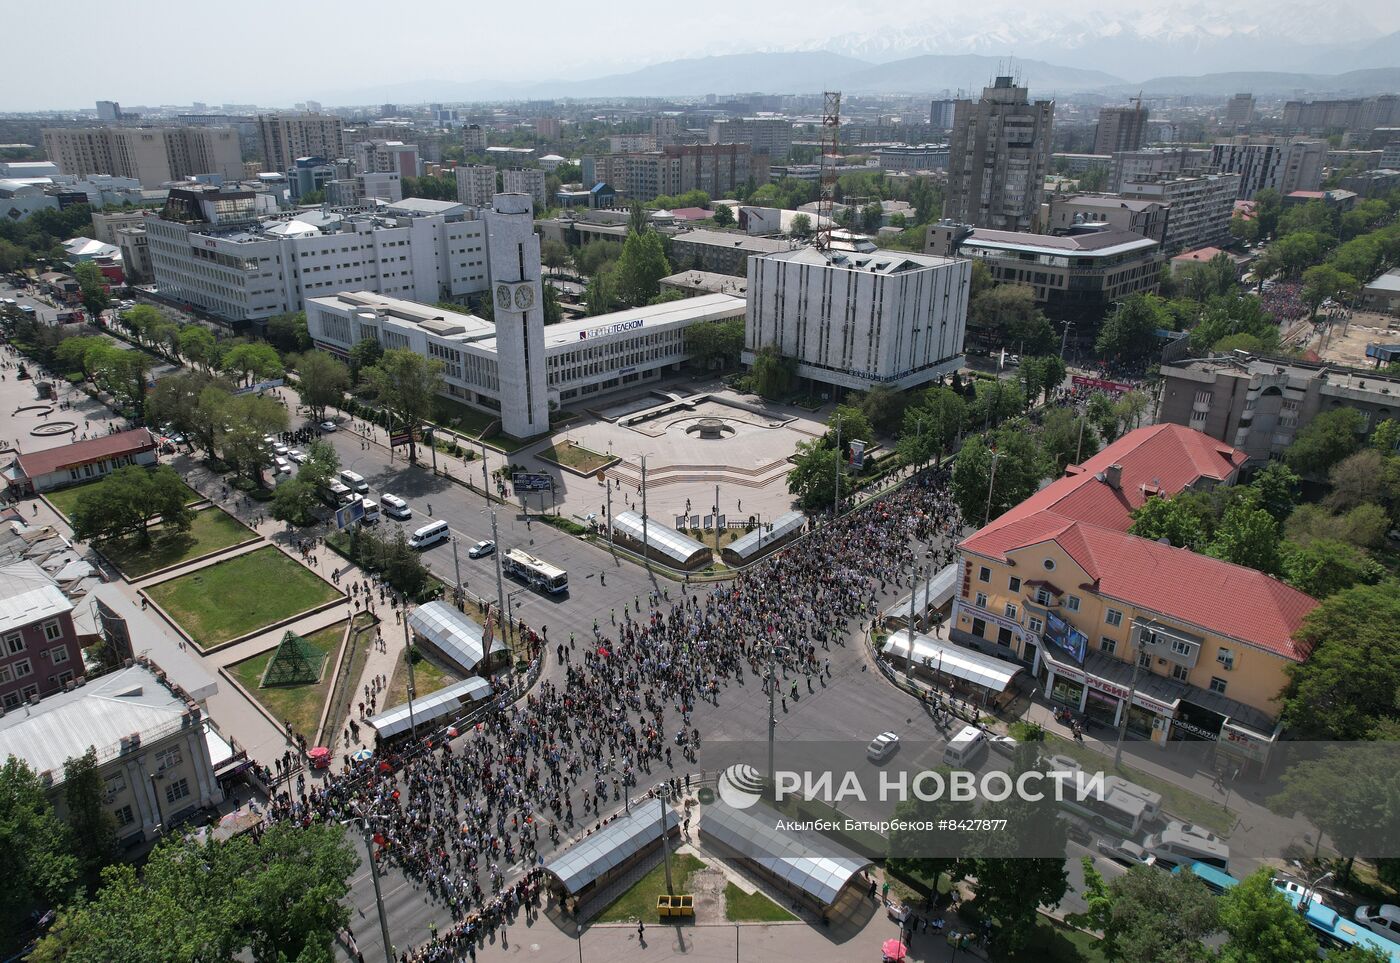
(764, 135)
(1151, 163)
(1199, 207)
(152, 155)
(39, 650)
(476, 184)
(1120, 129)
(1283, 164)
(998, 156)
(285, 137)
(1072, 211)
(526, 180)
(384, 156)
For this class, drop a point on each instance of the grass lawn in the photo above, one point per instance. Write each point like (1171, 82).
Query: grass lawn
(354, 668)
(66, 498)
(299, 704)
(460, 418)
(726, 535)
(240, 595)
(741, 907)
(1054, 942)
(1180, 802)
(575, 456)
(212, 529)
(428, 677)
(639, 901)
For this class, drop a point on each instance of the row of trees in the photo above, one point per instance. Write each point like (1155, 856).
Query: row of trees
(126, 503)
(634, 278)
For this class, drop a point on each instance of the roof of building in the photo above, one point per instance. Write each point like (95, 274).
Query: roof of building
(101, 714)
(424, 205)
(431, 708)
(1111, 203)
(700, 307)
(877, 261)
(36, 463)
(708, 281)
(88, 247)
(1203, 254)
(742, 242)
(661, 538)
(952, 659)
(28, 595)
(1088, 517)
(1095, 244)
(593, 856)
(691, 213)
(1389, 281)
(453, 634)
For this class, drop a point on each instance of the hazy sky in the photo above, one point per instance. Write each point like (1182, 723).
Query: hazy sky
(156, 51)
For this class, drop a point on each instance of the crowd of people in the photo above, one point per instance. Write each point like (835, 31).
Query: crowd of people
(463, 816)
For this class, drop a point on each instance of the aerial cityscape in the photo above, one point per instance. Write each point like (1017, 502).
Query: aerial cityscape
(715, 484)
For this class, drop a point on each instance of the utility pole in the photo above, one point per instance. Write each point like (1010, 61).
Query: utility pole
(408, 657)
(485, 478)
(663, 793)
(432, 444)
(378, 895)
(608, 485)
(1079, 448)
(716, 522)
(836, 498)
(986, 517)
(1128, 706)
(1064, 338)
(646, 534)
(772, 717)
(500, 585)
(457, 570)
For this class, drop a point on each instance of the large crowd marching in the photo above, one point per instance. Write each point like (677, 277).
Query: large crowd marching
(463, 816)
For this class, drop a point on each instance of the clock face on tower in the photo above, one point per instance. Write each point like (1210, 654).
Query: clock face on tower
(503, 296)
(524, 297)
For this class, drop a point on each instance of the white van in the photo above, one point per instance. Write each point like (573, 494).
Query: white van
(339, 494)
(371, 514)
(1174, 848)
(965, 747)
(429, 535)
(395, 507)
(354, 482)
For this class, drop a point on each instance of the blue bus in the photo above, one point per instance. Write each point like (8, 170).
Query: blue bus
(1216, 880)
(1331, 928)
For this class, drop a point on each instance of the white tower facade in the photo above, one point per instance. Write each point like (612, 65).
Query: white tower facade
(514, 250)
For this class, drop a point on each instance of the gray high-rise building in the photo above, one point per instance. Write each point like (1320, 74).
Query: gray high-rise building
(285, 137)
(1120, 129)
(997, 158)
(109, 111)
(940, 114)
(1239, 110)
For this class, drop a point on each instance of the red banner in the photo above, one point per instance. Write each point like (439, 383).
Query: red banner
(1099, 384)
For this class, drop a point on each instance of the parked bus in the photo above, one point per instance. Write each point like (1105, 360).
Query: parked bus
(539, 574)
(1331, 928)
(1118, 810)
(1217, 880)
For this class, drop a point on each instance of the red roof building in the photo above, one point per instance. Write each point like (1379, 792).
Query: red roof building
(42, 471)
(1059, 585)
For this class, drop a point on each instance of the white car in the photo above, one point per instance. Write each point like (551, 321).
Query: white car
(328, 426)
(481, 549)
(297, 455)
(281, 465)
(882, 747)
(280, 449)
(1383, 919)
(1127, 852)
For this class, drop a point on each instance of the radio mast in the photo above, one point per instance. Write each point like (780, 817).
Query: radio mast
(831, 145)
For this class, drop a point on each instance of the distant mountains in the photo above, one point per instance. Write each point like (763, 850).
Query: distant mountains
(806, 72)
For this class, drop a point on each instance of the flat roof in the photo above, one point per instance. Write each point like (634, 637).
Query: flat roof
(878, 261)
(701, 307)
(455, 636)
(950, 659)
(741, 242)
(1096, 244)
(660, 537)
(432, 707)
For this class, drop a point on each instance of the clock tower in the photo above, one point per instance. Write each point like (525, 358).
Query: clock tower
(514, 252)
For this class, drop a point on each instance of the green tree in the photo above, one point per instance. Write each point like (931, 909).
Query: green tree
(1277, 488)
(1362, 477)
(406, 384)
(723, 216)
(175, 401)
(324, 381)
(128, 501)
(549, 304)
(1348, 683)
(250, 361)
(1325, 566)
(1001, 308)
(1323, 281)
(1326, 440)
(287, 332)
(251, 417)
(601, 293)
(995, 401)
(1175, 519)
(715, 344)
(92, 288)
(1248, 536)
(1017, 473)
(771, 374)
(197, 344)
(75, 354)
(365, 354)
(295, 501)
(1065, 439)
(1128, 333)
(638, 219)
(322, 464)
(813, 478)
(1364, 526)
(92, 828)
(554, 254)
(801, 225)
(1386, 437)
(140, 319)
(35, 856)
(884, 408)
(1155, 915)
(1261, 924)
(1295, 253)
(854, 425)
(640, 268)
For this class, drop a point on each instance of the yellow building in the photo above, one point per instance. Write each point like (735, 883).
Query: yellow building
(1097, 615)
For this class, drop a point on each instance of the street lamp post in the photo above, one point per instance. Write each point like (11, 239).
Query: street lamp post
(374, 875)
(485, 478)
(836, 498)
(408, 657)
(663, 792)
(1128, 706)
(991, 482)
(772, 697)
(646, 534)
(457, 570)
(500, 585)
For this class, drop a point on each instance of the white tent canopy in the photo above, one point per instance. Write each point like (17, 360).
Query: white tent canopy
(953, 660)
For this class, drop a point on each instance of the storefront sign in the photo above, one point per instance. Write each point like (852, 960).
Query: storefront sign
(1121, 692)
(1244, 744)
(1198, 731)
(603, 330)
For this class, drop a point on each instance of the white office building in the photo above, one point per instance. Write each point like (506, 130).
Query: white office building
(218, 251)
(476, 184)
(860, 318)
(583, 359)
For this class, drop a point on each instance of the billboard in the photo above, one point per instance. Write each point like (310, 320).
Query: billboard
(1064, 636)
(525, 481)
(1100, 384)
(347, 515)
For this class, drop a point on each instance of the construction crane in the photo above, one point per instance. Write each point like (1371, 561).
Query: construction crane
(831, 144)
